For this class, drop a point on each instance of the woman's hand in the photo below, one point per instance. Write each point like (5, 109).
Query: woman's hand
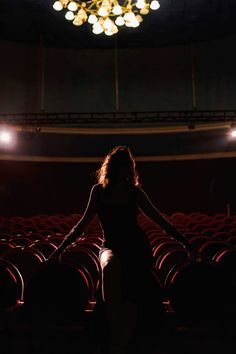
(53, 259)
(193, 254)
(55, 256)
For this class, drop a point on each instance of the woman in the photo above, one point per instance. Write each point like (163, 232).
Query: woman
(125, 256)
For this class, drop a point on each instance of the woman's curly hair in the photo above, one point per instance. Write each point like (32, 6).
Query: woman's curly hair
(116, 158)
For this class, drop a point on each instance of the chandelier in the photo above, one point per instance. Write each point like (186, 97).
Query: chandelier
(106, 16)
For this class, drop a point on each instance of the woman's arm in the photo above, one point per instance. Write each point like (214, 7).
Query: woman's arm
(76, 231)
(147, 207)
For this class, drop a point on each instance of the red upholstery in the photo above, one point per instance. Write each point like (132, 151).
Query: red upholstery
(27, 260)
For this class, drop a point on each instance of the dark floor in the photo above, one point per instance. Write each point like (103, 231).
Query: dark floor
(91, 338)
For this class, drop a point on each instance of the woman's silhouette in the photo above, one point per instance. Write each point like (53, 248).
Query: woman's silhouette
(125, 255)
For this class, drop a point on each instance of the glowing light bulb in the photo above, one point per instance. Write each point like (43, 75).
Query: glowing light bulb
(57, 6)
(69, 16)
(128, 24)
(64, 2)
(114, 29)
(108, 33)
(129, 16)
(102, 11)
(135, 23)
(108, 24)
(120, 21)
(92, 19)
(106, 3)
(117, 10)
(154, 5)
(144, 11)
(77, 21)
(82, 15)
(139, 18)
(97, 28)
(140, 4)
(72, 6)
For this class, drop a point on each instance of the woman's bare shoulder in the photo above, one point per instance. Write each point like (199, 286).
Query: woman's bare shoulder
(141, 195)
(138, 190)
(96, 187)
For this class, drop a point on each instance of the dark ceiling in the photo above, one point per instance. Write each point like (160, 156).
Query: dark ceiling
(177, 22)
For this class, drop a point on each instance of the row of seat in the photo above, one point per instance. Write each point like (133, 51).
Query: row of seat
(26, 264)
(63, 290)
(62, 223)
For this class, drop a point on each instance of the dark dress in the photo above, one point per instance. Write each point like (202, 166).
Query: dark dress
(139, 283)
(123, 235)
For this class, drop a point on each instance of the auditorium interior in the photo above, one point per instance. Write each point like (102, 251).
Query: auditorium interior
(69, 94)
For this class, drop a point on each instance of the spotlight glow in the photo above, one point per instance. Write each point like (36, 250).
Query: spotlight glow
(233, 133)
(7, 138)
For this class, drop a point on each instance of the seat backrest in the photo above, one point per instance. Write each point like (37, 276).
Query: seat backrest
(26, 259)
(168, 260)
(227, 260)
(90, 245)
(11, 286)
(45, 247)
(20, 241)
(200, 292)
(79, 255)
(165, 246)
(198, 241)
(56, 294)
(221, 235)
(5, 246)
(210, 248)
(232, 240)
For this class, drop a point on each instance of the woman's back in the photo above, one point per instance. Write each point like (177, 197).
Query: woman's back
(118, 210)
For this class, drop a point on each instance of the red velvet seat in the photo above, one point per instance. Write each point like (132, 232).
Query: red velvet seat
(178, 216)
(200, 227)
(57, 240)
(165, 246)
(93, 237)
(92, 246)
(18, 232)
(198, 241)
(57, 294)
(27, 260)
(219, 216)
(221, 235)
(190, 234)
(227, 260)
(209, 231)
(30, 229)
(20, 241)
(200, 294)
(5, 229)
(157, 240)
(225, 227)
(5, 246)
(78, 255)
(169, 259)
(34, 236)
(45, 247)
(11, 286)
(210, 248)
(232, 240)
(196, 218)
